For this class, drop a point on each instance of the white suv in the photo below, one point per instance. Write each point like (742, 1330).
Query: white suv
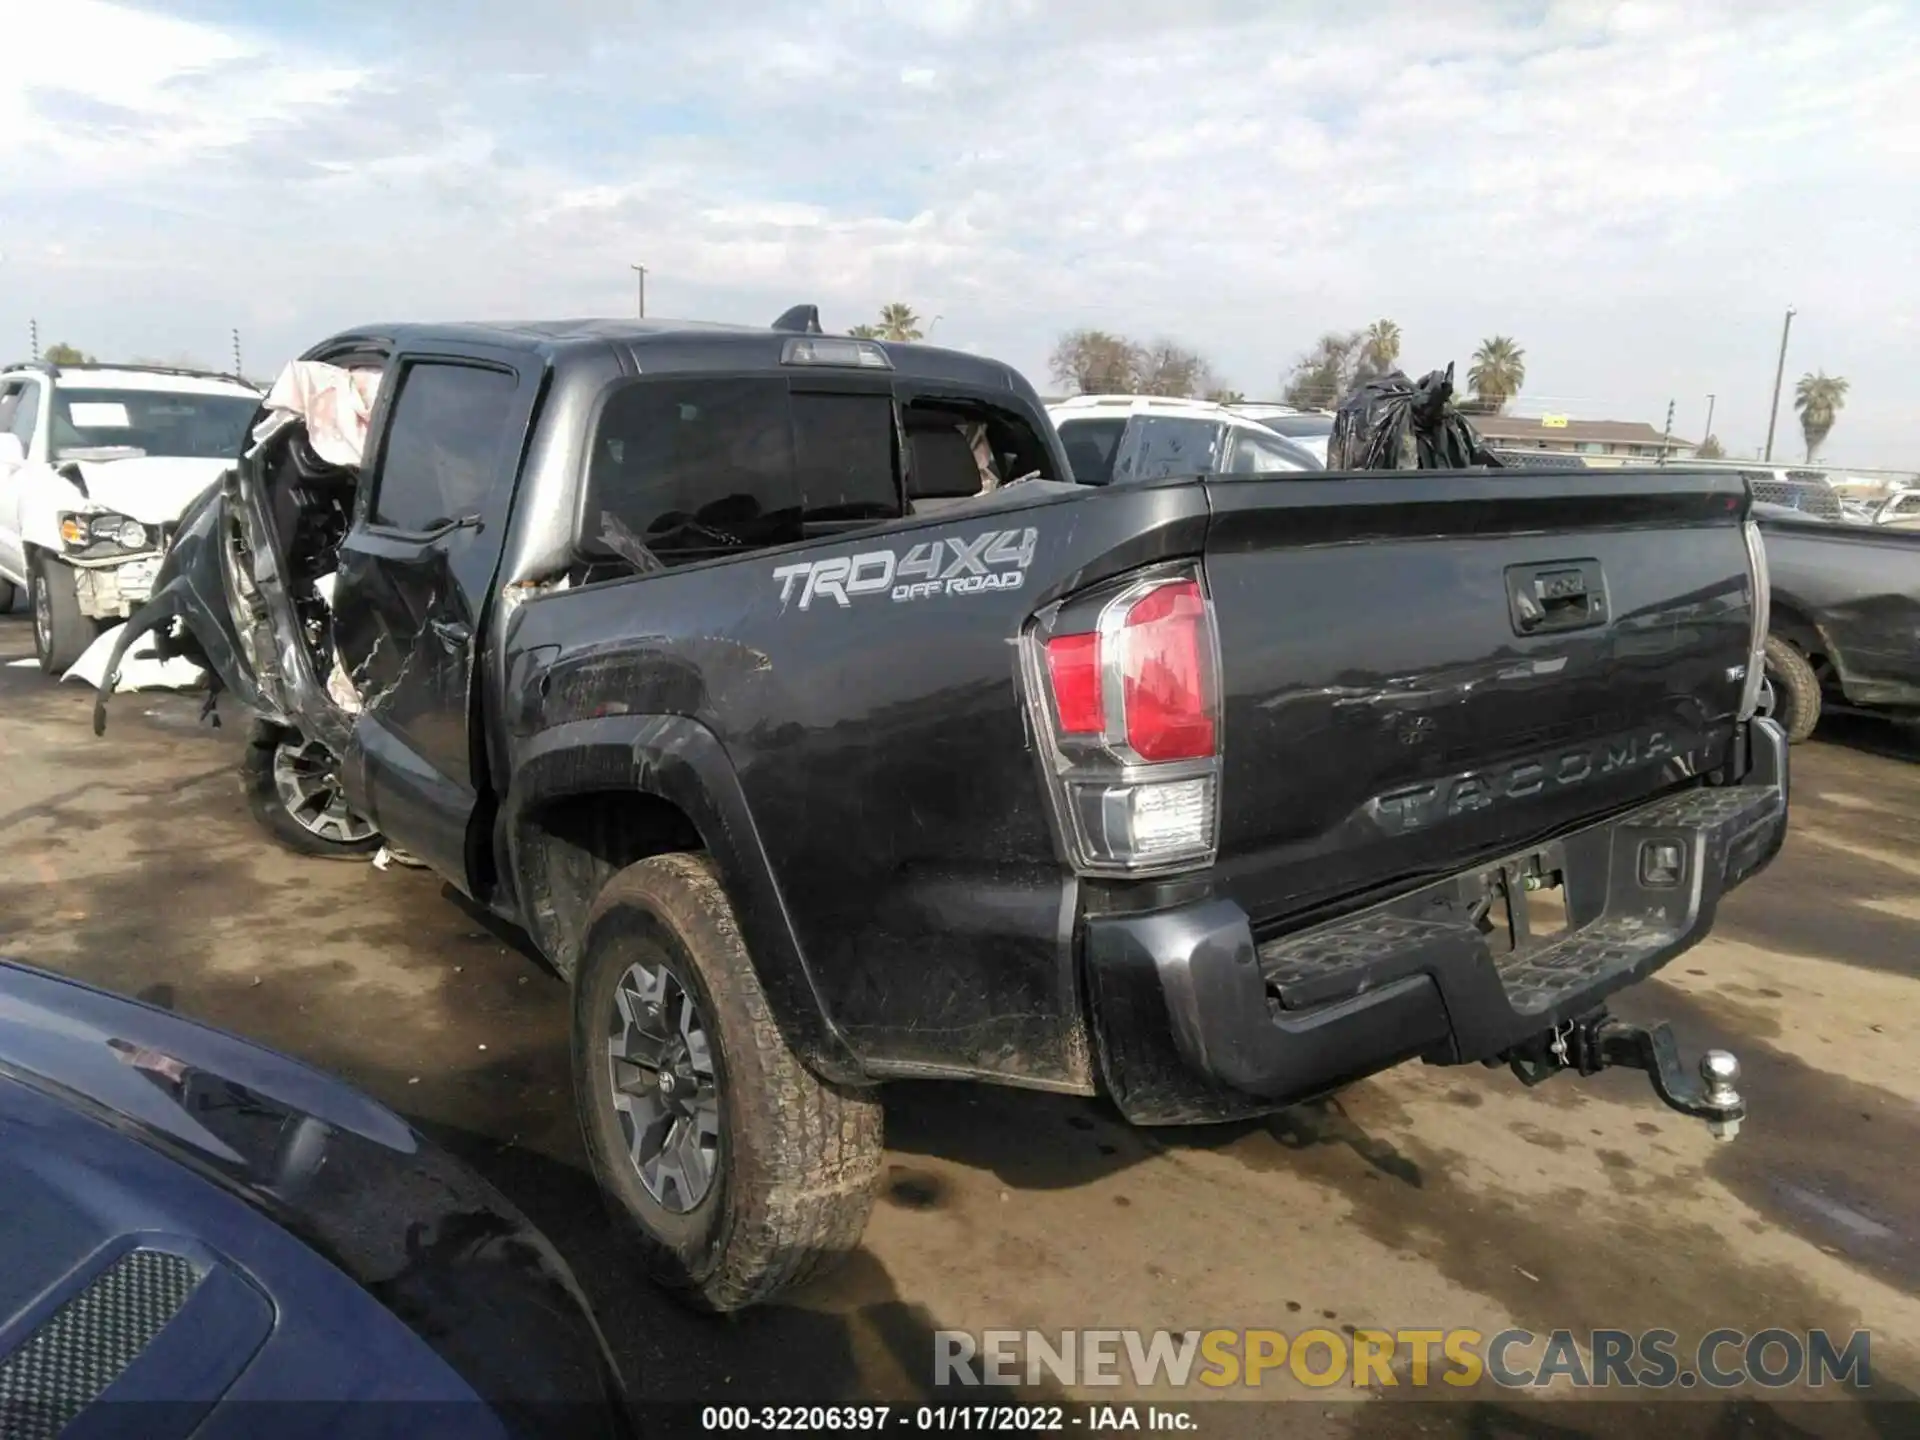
(96, 464)
(1118, 439)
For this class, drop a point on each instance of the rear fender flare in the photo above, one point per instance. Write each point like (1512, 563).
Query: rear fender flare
(678, 760)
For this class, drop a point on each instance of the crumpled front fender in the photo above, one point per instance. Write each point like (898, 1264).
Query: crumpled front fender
(191, 588)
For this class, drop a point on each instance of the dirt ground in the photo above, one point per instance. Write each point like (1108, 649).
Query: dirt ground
(1424, 1198)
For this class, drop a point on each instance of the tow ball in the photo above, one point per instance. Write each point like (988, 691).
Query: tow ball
(1596, 1042)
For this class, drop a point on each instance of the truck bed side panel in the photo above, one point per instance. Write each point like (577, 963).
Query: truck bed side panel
(883, 751)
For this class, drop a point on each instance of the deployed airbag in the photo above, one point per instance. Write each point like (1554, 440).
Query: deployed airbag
(334, 403)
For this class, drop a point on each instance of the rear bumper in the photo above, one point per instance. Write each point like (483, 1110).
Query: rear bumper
(1196, 1021)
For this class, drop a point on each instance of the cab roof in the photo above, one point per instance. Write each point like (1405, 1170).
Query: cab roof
(655, 345)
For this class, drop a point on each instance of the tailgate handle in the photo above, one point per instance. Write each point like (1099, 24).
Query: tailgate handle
(1560, 595)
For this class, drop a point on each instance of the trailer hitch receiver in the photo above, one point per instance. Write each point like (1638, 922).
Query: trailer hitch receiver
(1597, 1042)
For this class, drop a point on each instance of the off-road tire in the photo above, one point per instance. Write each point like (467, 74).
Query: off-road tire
(799, 1158)
(263, 799)
(1796, 689)
(68, 632)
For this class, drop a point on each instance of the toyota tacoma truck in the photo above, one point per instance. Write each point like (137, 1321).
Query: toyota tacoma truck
(96, 463)
(821, 733)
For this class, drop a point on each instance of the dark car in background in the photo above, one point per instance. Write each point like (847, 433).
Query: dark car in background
(200, 1236)
(1844, 632)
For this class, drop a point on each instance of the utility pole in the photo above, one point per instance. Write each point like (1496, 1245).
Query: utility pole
(641, 272)
(236, 354)
(1779, 370)
(1709, 435)
(1666, 438)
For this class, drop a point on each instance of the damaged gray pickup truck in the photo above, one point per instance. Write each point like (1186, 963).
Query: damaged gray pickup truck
(821, 731)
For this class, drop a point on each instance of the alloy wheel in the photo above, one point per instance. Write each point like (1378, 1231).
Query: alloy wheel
(664, 1087)
(306, 777)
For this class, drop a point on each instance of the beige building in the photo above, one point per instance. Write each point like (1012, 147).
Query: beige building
(1597, 442)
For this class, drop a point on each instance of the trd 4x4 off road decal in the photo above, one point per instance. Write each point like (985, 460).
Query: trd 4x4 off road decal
(995, 560)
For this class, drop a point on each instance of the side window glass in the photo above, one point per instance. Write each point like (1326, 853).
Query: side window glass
(1174, 446)
(1091, 446)
(1255, 454)
(698, 468)
(843, 454)
(26, 414)
(443, 445)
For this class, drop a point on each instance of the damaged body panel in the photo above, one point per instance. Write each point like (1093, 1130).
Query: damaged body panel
(732, 662)
(1848, 596)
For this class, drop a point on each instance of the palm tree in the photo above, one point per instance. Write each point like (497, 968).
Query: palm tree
(1380, 346)
(865, 332)
(1819, 397)
(898, 322)
(1499, 370)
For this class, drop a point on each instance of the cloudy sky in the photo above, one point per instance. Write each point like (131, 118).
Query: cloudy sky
(1635, 191)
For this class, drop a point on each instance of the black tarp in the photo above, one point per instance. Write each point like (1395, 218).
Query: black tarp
(1393, 423)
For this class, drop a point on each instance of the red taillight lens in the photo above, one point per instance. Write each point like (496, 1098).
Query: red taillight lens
(1073, 668)
(1166, 674)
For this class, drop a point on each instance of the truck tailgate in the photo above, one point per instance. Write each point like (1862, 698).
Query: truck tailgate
(1420, 671)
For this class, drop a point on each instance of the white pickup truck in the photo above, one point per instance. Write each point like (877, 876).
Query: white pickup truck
(96, 464)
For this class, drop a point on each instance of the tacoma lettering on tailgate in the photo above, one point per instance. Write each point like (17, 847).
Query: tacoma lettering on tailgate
(1401, 811)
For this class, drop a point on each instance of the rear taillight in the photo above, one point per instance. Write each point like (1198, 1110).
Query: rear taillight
(1127, 699)
(1073, 670)
(1166, 674)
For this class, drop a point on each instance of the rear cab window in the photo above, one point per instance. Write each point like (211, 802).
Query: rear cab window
(1092, 446)
(691, 468)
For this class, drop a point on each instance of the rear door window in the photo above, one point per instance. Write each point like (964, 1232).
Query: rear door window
(1172, 445)
(442, 455)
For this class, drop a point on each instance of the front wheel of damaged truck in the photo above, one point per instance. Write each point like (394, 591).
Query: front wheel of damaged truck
(739, 1172)
(293, 789)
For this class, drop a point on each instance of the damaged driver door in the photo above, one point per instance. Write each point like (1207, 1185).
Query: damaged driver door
(415, 572)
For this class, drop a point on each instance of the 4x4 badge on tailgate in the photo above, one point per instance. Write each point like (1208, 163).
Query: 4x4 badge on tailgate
(994, 560)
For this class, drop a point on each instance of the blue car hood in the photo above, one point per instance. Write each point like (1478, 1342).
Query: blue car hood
(118, 1121)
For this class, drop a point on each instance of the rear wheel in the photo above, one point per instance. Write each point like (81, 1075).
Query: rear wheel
(737, 1171)
(61, 633)
(293, 788)
(1791, 691)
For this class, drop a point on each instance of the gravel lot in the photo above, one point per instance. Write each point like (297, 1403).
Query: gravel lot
(1423, 1198)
